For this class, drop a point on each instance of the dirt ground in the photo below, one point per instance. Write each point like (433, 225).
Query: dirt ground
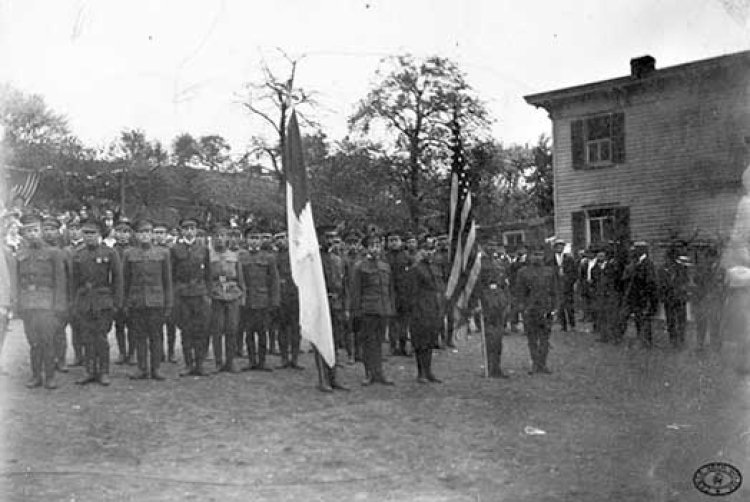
(619, 423)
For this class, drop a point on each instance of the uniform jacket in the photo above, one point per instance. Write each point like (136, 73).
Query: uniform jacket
(373, 291)
(191, 269)
(287, 288)
(424, 288)
(40, 278)
(492, 286)
(605, 279)
(334, 271)
(261, 279)
(641, 286)
(96, 280)
(227, 279)
(400, 262)
(147, 276)
(536, 288)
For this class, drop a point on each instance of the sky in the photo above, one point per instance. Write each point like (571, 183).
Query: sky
(175, 66)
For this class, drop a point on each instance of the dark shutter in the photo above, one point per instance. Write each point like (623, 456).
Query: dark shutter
(622, 224)
(577, 141)
(579, 230)
(618, 138)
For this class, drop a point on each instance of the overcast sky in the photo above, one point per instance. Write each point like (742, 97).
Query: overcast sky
(176, 66)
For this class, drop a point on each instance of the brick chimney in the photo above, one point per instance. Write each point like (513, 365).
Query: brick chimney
(642, 66)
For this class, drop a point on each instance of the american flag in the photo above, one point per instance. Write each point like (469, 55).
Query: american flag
(462, 231)
(26, 188)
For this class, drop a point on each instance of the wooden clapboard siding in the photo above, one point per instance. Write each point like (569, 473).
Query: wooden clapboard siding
(686, 146)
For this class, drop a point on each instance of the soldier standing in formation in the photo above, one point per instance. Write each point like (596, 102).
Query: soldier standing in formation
(125, 341)
(373, 301)
(41, 299)
(536, 295)
(288, 312)
(162, 240)
(423, 290)
(641, 292)
(398, 325)
(191, 275)
(98, 293)
(147, 275)
(262, 298)
(227, 293)
(51, 235)
(75, 242)
(352, 254)
(516, 266)
(492, 290)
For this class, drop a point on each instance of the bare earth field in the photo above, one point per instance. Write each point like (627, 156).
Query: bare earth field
(620, 424)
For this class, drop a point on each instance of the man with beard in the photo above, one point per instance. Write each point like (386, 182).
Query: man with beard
(98, 290)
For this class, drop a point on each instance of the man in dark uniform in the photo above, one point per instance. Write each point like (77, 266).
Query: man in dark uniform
(536, 296)
(53, 238)
(442, 259)
(288, 311)
(398, 326)
(125, 341)
(373, 302)
(41, 298)
(675, 285)
(267, 244)
(161, 239)
(606, 298)
(98, 291)
(641, 292)
(519, 262)
(147, 276)
(75, 242)
(191, 276)
(565, 280)
(353, 253)
(492, 290)
(261, 276)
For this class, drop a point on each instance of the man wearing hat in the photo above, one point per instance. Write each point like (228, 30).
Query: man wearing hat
(41, 298)
(536, 297)
(97, 294)
(674, 284)
(227, 293)
(492, 291)
(518, 264)
(353, 253)
(52, 236)
(288, 311)
(75, 242)
(640, 298)
(161, 239)
(191, 275)
(125, 342)
(147, 276)
(565, 280)
(261, 275)
(442, 259)
(398, 325)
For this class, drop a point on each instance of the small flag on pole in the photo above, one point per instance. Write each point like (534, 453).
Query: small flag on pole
(304, 251)
(26, 187)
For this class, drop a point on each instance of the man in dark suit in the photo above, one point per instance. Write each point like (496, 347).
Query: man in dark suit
(536, 297)
(641, 292)
(565, 279)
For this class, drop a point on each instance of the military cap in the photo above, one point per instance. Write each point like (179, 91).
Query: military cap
(326, 229)
(409, 236)
(353, 236)
(74, 223)
(91, 223)
(442, 237)
(51, 221)
(123, 222)
(220, 226)
(159, 224)
(250, 229)
(559, 242)
(30, 219)
(494, 244)
(143, 224)
(368, 239)
(393, 233)
(280, 235)
(187, 222)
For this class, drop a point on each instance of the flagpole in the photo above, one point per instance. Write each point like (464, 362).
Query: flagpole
(485, 356)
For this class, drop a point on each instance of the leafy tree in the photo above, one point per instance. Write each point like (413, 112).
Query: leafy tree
(417, 100)
(213, 151)
(540, 178)
(184, 149)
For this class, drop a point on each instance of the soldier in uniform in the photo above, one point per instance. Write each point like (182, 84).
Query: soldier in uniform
(98, 291)
(125, 342)
(52, 237)
(261, 275)
(641, 292)
(373, 302)
(536, 296)
(75, 242)
(516, 266)
(352, 254)
(398, 326)
(288, 311)
(42, 295)
(191, 274)
(147, 276)
(442, 260)
(424, 288)
(492, 290)
(227, 293)
(565, 280)
(161, 239)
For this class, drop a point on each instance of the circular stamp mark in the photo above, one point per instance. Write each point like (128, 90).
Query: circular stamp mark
(717, 479)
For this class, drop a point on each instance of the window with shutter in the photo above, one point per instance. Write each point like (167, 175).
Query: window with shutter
(577, 141)
(579, 230)
(598, 141)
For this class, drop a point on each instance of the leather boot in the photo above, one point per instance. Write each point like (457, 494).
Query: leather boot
(419, 356)
(324, 385)
(334, 381)
(35, 354)
(189, 363)
(428, 368)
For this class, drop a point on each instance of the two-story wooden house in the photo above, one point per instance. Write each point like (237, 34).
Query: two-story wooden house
(655, 154)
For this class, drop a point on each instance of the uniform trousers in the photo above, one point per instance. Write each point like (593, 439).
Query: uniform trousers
(371, 330)
(145, 325)
(289, 334)
(256, 321)
(192, 319)
(538, 330)
(40, 327)
(676, 313)
(94, 328)
(61, 339)
(494, 330)
(339, 325)
(125, 341)
(225, 324)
